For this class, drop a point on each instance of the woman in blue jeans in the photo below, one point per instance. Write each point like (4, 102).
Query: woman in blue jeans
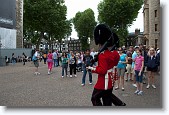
(138, 67)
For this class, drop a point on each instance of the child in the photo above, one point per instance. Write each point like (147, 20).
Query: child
(64, 64)
(138, 67)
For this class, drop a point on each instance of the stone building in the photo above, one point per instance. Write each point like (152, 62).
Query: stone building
(151, 12)
(19, 23)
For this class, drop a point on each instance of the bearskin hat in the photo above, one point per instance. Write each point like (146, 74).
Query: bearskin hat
(102, 34)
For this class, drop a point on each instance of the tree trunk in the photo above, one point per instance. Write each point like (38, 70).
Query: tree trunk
(40, 39)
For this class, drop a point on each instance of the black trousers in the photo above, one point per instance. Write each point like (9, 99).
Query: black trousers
(107, 97)
(72, 68)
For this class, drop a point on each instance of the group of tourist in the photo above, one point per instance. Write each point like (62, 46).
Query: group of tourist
(23, 58)
(136, 62)
(74, 60)
(134, 65)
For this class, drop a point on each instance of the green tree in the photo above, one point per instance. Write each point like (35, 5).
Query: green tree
(46, 19)
(119, 14)
(84, 23)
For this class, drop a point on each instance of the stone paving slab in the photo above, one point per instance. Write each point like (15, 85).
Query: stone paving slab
(19, 87)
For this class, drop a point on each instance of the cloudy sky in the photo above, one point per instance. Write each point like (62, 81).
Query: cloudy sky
(73, 6)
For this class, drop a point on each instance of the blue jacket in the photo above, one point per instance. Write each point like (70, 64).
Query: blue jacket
(151, 63)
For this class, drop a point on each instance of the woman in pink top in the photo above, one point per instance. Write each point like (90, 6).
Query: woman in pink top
(138, 67)
(50, 62)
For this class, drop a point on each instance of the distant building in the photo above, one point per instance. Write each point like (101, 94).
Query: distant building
(74, 45)
(135, 38)
(151, 12)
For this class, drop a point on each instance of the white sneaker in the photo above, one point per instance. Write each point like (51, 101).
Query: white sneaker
(140, 93)
(148, 86)
(67, 75)
(82, 84)
(122, 88)
(154, 86)
(116, 88)
(62, 76)
(71, 76)
(136, 92)
(90, 83)
(38, 73)
(134, 85)
(48, 73)
(75, 75)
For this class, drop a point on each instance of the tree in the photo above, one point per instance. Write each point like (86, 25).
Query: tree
(84, 23)
(119, 14)
(46, 19)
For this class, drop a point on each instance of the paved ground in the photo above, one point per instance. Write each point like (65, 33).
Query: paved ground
(20, 87)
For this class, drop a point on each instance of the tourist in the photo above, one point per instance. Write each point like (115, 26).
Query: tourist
(69, 55)
(45, 57)
(121, 67)
(23, 58)
(134, 55)
(144, 54)
(79, 63)
(129, 64)
(138, 68)
(87, 62)
(152, 67)
(55, 59)
(35, 59)
(13, 59)
(50, 61)
(92, 53)
(72, 64)
(81, 56)
(59, 56)
(64, 61)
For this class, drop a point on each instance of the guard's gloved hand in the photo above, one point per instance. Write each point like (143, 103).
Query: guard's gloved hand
(90, 68)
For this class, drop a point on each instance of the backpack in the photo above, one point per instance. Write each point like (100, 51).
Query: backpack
(34, 58)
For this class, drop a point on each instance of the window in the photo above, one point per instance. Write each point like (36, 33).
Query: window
(156, 27)
(155, 13)
(156, 41)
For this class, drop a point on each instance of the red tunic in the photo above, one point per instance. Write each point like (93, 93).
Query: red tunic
(106, 61)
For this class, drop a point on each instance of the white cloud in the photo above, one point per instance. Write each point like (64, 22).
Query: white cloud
(73, 6)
